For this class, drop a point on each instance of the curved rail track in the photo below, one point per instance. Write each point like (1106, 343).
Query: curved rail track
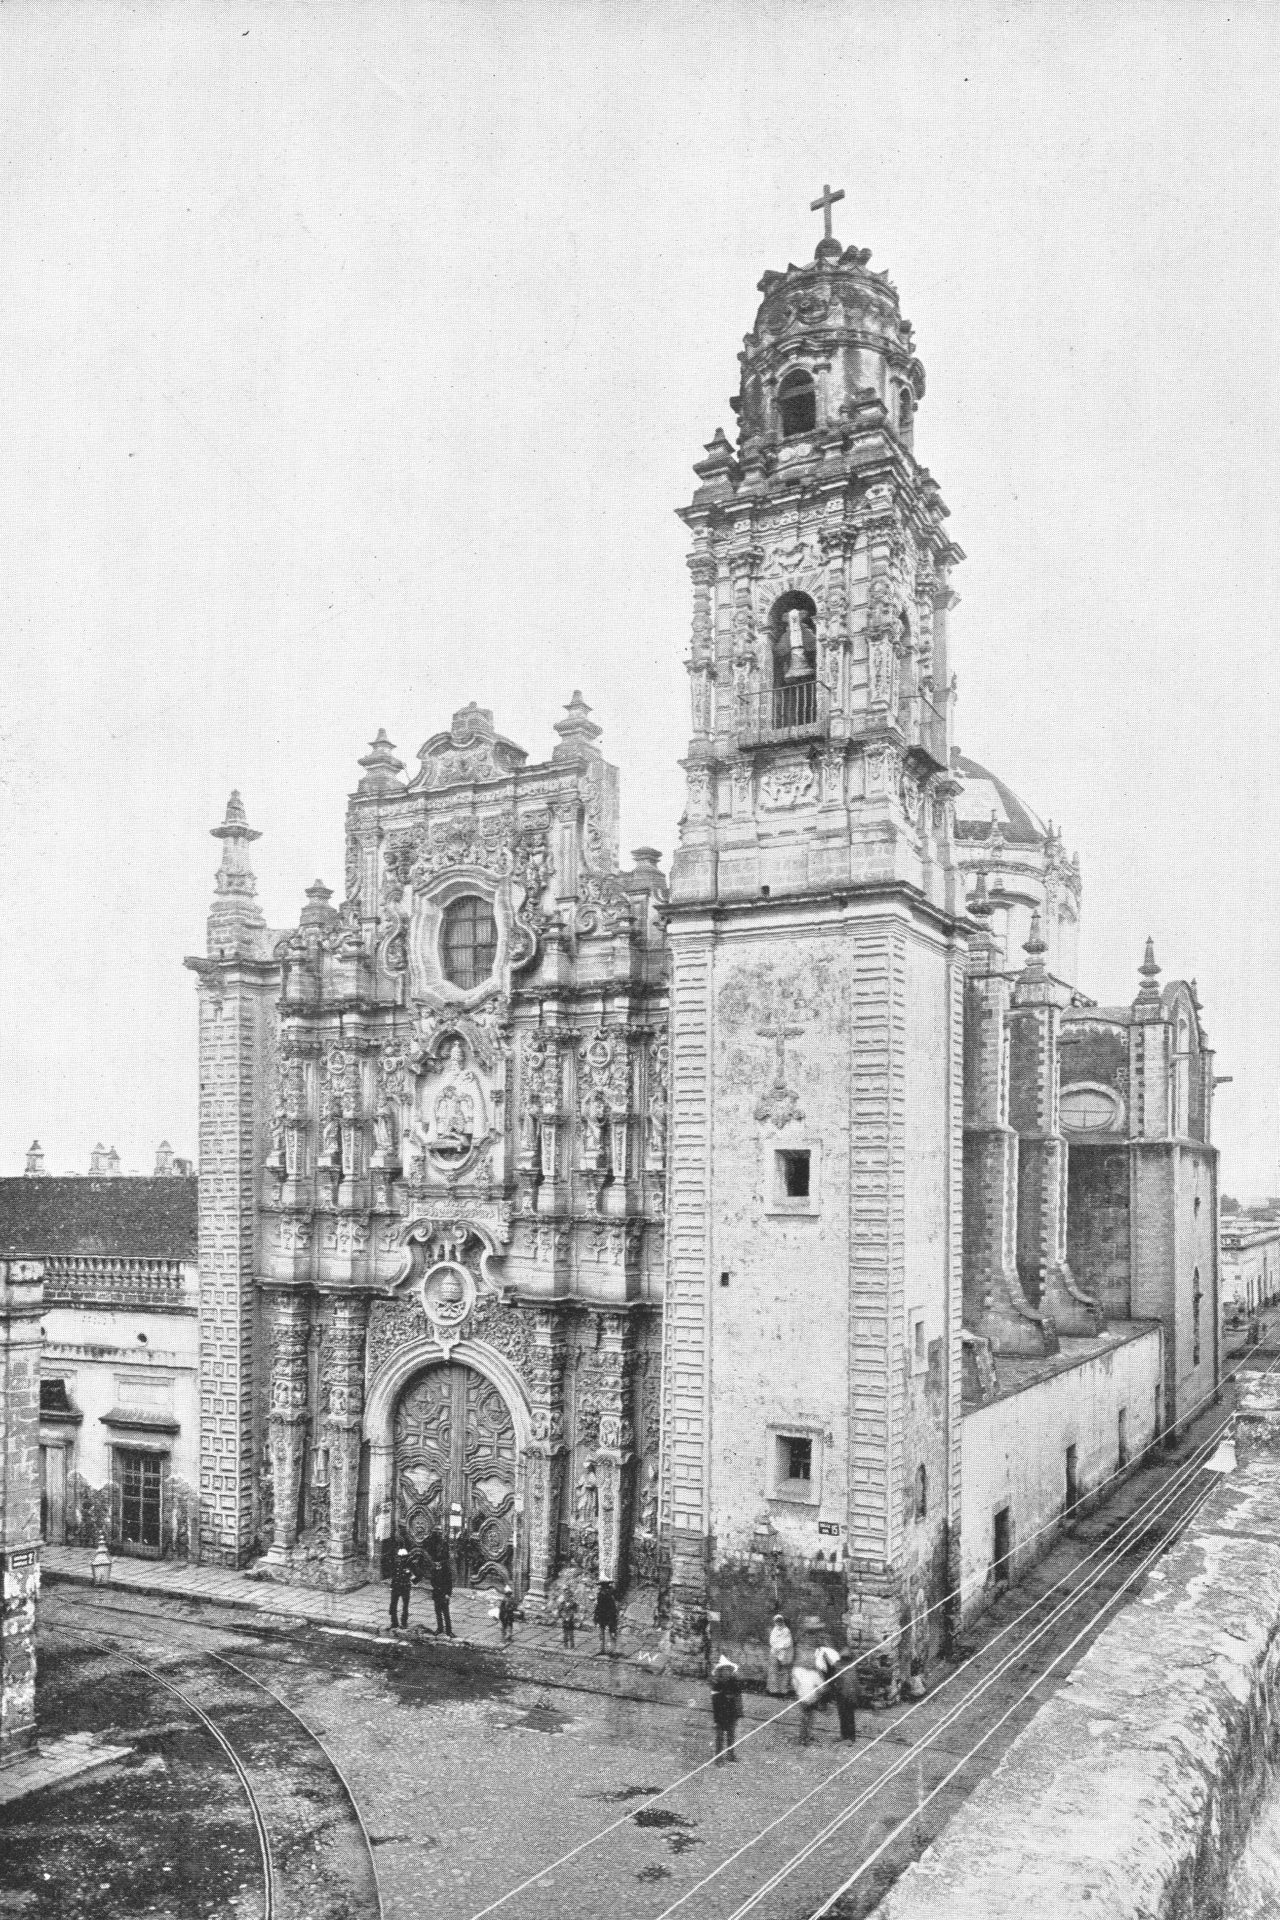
(314, 1866)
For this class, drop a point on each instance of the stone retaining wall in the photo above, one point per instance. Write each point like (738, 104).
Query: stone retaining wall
(1130, 1793)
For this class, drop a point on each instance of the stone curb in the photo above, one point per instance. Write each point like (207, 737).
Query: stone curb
(659, 1690)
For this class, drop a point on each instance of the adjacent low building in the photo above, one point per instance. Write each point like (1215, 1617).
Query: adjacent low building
(1250, 1262)
(119, 1402)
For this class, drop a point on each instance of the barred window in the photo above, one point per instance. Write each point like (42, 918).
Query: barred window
(468, 941)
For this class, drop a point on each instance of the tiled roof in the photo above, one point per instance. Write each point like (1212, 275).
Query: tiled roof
(123, 1219)
(985, 794)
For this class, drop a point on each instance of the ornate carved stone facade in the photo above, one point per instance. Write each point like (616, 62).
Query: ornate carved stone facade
(435, 1124)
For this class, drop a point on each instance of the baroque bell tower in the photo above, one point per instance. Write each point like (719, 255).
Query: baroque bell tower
(817, 954)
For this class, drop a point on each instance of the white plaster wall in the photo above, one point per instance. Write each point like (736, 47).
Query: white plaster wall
(93, 1349)
(1013, 1452)
(810, 1331)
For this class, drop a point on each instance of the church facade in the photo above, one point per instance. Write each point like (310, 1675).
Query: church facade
(669, 1231)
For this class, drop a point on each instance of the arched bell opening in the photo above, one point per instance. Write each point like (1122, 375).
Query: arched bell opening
(793, 638)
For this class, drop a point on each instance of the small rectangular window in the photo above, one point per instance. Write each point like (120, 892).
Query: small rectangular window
(797, 1458)
(793, 1174)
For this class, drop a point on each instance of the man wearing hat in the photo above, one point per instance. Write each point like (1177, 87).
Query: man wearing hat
(401, 1581)
(726, 1706)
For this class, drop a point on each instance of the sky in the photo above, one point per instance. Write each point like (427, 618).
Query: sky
(357, 356)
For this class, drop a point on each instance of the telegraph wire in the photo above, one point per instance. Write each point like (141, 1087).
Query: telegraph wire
(947, 1778)
(1007, 1661)
(891, 1640)
(1114, 1547)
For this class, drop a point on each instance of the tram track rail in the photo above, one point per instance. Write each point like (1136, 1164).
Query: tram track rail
(271, 1781)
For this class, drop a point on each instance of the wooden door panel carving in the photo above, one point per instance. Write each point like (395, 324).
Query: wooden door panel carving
(455, 1443)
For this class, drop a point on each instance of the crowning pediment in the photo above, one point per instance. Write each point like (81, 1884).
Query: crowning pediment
(470, 753)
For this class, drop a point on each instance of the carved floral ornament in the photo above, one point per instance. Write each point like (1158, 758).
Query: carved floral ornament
(448, 1260)
(505, 858)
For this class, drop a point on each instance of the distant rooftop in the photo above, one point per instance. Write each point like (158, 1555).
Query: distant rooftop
(140, 1219)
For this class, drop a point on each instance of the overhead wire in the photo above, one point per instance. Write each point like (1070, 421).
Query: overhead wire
(1008, 1660)
(847, 1885)
(891, 1640)
(1115, 1547)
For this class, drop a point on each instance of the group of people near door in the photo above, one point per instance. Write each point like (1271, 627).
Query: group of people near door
(827, 1676)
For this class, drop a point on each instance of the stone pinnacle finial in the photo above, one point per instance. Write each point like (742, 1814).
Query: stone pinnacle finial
(1150, 971)
(236, 824)
(236, 916)
(578, 731)
(1035, 946)
(979, 901)
(317, 911)
(382, 770)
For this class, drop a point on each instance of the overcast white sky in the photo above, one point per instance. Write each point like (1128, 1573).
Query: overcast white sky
(355, 357)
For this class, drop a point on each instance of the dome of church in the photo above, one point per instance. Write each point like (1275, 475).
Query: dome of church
(985, 795)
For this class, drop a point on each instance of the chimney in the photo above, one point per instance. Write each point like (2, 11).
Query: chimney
(35, 1160)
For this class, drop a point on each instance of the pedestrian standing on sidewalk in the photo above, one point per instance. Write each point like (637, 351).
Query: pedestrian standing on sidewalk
(386, 1545)
(726, 1706)
(606, 1616)
(401, 1581)
(782, 1652)
(567, 1610)
(507, 1615)
(844, 1685)
(441, 1588)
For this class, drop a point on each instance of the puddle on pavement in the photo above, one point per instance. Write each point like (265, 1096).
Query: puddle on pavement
(539, 1718)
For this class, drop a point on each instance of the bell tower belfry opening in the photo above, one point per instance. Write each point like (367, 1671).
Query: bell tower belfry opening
(815, 890)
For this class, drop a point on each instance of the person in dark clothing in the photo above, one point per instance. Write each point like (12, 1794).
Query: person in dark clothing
(401, 1581)
(606, 1616)
(507, 1615)
(844, 1685)
(726, 1706)
(441, 1588)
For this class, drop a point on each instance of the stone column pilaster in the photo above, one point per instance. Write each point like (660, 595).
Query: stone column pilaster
(289, 1322)
(21, 1338)
(546, 1456)
(348, 1329)
(615, 1454)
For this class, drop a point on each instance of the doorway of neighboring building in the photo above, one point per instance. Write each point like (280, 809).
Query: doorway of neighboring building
(53, 1495)
(1000, 1545)
(1073, 1483)
(1122, 1438)
(139, 1483)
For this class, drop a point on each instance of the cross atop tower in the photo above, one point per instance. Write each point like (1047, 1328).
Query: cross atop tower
(826, 200)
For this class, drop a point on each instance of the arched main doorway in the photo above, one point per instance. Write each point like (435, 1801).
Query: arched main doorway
(455, 1445)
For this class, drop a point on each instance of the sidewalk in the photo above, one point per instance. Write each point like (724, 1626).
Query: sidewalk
(536, 1653)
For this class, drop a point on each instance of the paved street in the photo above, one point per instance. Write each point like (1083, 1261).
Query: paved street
(472, 1767)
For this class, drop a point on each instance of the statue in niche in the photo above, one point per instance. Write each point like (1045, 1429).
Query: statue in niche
(658, 1126)
(586, 1505)
(384, 1129)
(277, 1137)
(595, 1112)
(331, 1141)
(454, 1118)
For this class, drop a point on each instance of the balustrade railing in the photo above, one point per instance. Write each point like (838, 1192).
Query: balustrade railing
(75, 1278)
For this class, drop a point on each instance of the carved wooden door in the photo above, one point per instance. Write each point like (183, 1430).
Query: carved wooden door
(424, 1451)
(489, 1483)
(455, 1442)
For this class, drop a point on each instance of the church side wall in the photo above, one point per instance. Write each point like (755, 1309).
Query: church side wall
(1174, 1240)
(1014, 1453)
